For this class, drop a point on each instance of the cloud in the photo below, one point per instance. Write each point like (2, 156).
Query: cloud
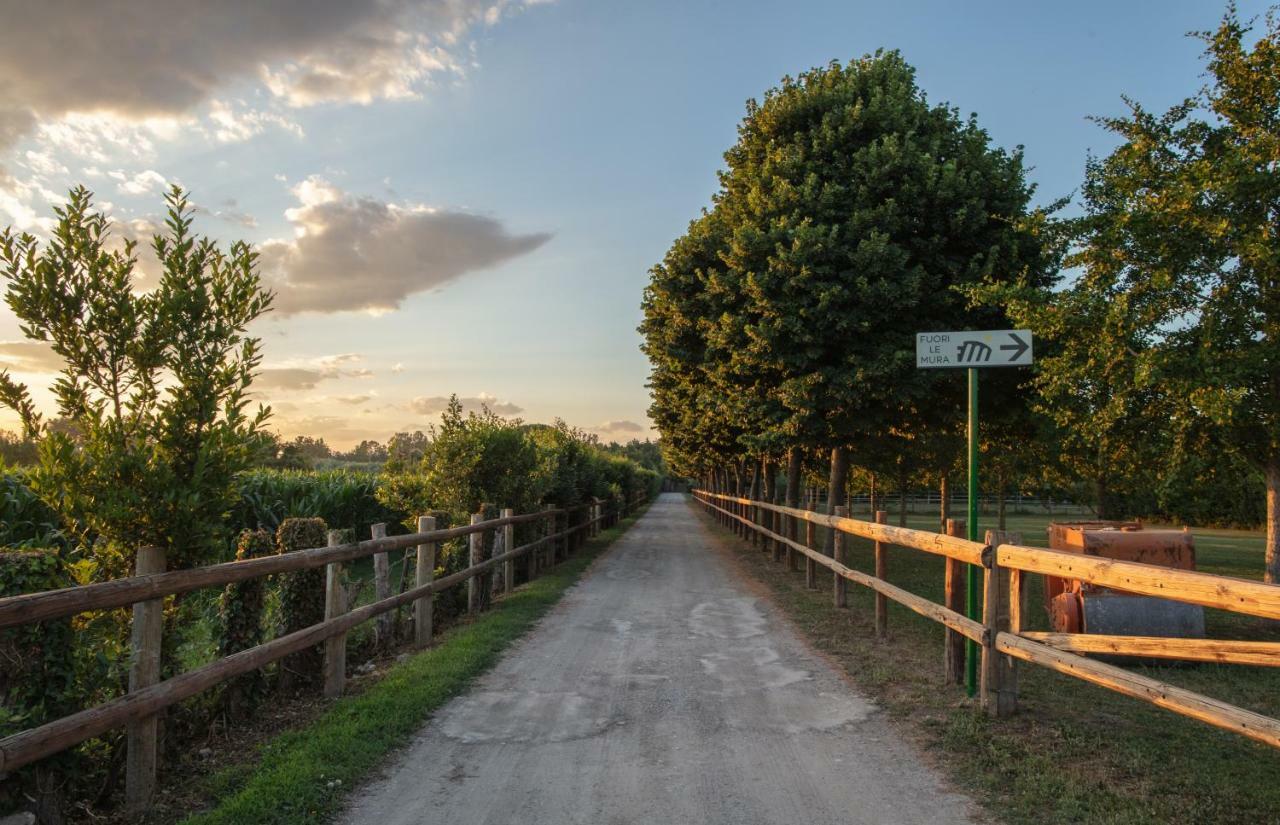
(233, 125)
(356, 253)
(180, 53)
(431, 405)
(290, 378)
(620, 427)
(229, 213)
(308, 375)
(142, 183)
(29, 356)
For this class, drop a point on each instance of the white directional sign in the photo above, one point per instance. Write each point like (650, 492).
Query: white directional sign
(974, 348)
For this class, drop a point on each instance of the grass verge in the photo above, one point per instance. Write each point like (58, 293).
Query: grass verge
(1074, 752)
(303, 776)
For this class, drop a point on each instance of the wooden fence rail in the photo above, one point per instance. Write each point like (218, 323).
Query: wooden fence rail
(144, 701)
(1000, 634)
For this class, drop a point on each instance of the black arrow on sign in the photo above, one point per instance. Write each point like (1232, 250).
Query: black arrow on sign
(1019, 346)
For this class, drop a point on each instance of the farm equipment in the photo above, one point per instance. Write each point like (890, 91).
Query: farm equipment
(1077, 607)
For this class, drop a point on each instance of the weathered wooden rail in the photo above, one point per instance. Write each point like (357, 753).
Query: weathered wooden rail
(1001, 636)
(148, 696)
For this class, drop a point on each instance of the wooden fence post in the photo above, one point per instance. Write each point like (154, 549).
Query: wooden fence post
(882, 570)
(839, 593)
(810, 566)
(999, 672)
(424, 607)
(953, 645)
(508, 544)
(793, 558)
(144, 671)
(335, 604)
(474, 542)
(381, 588)
(548, 549)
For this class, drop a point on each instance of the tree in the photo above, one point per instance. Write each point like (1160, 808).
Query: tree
(16, 449)
(405, 451)
(855, 211)
(476, 459)
(690, 408)
(1180, 257)
(368, 451)
(311, 448)
(154, 387)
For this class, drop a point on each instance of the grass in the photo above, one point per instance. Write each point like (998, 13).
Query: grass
(303, 776)
(1074, 752)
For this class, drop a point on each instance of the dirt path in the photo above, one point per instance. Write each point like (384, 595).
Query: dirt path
(659, 691)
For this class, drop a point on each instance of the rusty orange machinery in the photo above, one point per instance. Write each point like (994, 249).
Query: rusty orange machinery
(1076, 607)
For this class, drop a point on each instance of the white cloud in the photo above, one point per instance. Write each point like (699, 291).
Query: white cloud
(182, 53)
(355, 253)
(430, 405)
(233, 125)
(142, 183)
(42, 163)
(29, 356)
(307, 374)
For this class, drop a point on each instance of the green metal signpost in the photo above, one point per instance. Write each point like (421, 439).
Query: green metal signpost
(972, 350)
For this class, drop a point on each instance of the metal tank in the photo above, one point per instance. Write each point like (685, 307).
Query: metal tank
(1076, 607)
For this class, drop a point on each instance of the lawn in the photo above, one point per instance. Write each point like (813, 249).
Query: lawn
(1074, 752)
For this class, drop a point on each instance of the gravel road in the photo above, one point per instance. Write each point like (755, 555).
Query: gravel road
(660, 690)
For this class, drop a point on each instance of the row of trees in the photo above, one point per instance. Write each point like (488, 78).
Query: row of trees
(853, 214)
(403, 450)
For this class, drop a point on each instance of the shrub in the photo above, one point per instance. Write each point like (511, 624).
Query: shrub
(38, 677)
(25, 520)
(343, 498)
(301, 598)
(240, 612)
(153, 390)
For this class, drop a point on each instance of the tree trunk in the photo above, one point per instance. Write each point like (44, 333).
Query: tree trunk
(835, 491)
(871, 496)
(1104, 506)
(902, 499)
(767, 480)
(755, 480)
(944, 509)
(1000, 507)
(1272, 573)
(794, 465)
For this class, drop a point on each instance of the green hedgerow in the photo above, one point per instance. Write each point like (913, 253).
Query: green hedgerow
(240, 611)
(301, 598)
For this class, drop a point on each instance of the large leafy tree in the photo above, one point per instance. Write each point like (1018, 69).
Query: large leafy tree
(153, 398)
(1182, 268)
(855, 210)
(692, 407)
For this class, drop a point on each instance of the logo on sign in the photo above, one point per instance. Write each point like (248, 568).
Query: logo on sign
(973, 352)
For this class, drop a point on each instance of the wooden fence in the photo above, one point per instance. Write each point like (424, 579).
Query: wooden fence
(564, 530)
(1000, 635)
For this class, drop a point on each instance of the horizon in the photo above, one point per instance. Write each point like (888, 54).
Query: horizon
(467, 198)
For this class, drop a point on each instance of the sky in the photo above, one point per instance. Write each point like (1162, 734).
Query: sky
(465, 196)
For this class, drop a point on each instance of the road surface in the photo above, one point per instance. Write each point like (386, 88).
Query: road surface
(660, 690)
